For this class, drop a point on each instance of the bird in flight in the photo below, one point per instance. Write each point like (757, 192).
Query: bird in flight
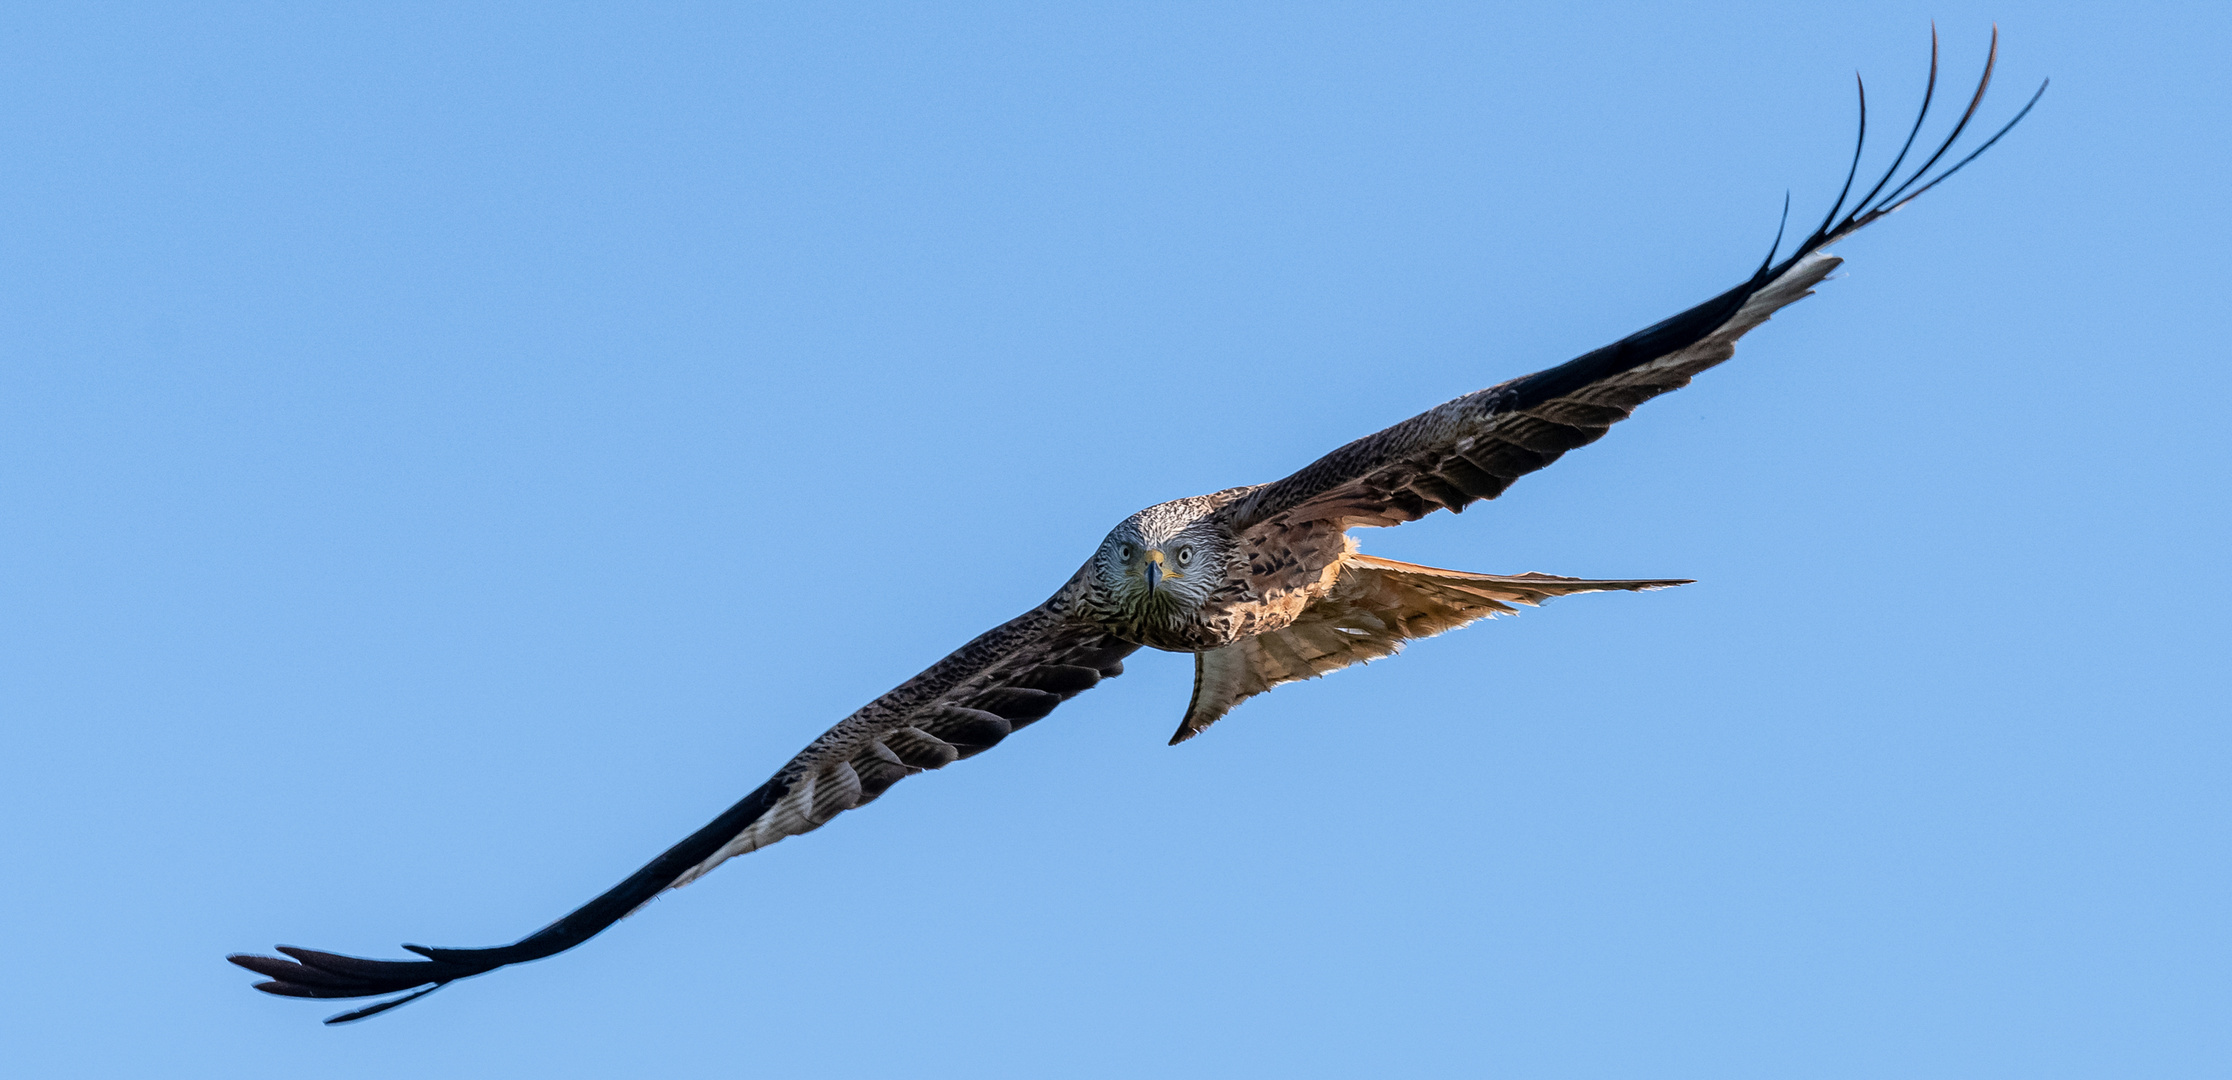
(1263, 585)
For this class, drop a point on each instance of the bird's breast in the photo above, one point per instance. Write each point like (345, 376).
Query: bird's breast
(1215, 624)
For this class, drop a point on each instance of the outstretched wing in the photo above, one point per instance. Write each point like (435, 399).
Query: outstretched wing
(1375, 607)
(1477, 445)
(962, 706)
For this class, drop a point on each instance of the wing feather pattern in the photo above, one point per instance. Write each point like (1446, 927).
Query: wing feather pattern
(1375, 607)
(962, 706)
(1475, 446)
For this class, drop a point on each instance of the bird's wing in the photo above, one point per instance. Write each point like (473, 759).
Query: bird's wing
(962, 706)
(1477, 445)
(1374, 607)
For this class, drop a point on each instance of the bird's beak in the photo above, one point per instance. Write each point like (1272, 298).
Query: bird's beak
(1154, 569)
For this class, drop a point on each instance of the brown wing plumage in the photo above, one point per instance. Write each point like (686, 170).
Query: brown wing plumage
(1477, 445)
(1374, 607)
(1006, 679)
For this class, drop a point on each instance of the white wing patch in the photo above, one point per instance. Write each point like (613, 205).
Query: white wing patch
(812, 801)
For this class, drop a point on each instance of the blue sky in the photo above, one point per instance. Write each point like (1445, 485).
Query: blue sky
(449, 453)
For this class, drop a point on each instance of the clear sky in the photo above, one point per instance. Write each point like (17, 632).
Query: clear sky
(449, 453)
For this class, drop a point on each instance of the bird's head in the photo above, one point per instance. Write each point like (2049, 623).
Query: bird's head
(1163, 560)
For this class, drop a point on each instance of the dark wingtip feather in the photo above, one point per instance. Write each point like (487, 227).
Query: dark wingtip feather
(368, 1011)
(1776, 247)
(284, 989)
(288, 971)
(1972, 155)
(329, 975)
(352, 966)
(1869, 208)
(1929, 94)
(1852, 171)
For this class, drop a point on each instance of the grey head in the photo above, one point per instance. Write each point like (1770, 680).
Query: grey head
(1163, 563)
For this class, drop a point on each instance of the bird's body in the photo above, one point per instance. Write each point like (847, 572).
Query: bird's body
(1263, 585)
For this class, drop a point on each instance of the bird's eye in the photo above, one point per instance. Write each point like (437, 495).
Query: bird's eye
(1123, 552)
(1185, 555)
